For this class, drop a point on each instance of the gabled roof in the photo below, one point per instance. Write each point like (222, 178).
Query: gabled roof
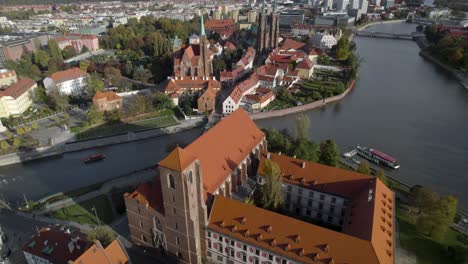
(306, 63)
(178, 160)
(109, 96)
(66, 75)
(286, 236)
(15, 90)
(113, 254)
(149, 193)
(366, 217)
(292, 44)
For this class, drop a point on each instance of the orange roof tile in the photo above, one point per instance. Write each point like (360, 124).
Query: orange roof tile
(96, 254)
(222, 148)
(292, 44)
(70, 74)
(15, 90)
(109, 96)
(365, 216)
(297, 240)
(149, 193)
(178, 160)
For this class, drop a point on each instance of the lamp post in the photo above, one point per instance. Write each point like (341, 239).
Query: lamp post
(95, 213)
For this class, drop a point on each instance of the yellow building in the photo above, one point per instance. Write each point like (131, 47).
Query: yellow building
(7, 77)
(17, 97)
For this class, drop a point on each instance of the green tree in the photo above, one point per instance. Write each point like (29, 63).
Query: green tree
(9, 134)
(41, 58)
(35, 125)
(305, 149)
(323, 59)
(84, 49)
(5, 145)
(27, 129)
(423, 198)
(381, 176)
(40, 95)
(84, 64)
(141, 104)
(113, 116)
(364, 168)
(436, 220)
(161, 101)
(329, 154)
(94, 116)
(112, 75)
(94, 84)
(103, 234)
(57, 101)
(271, 197)
(302, 125)
(68, 52)
(16, 142)
(341, 49)
(20, 131)
(54, 49)
(141, 74)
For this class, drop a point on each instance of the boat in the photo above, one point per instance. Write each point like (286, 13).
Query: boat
(94, 158)
(378, 157)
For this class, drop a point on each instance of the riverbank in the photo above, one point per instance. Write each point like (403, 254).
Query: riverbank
(459, 75)
(363, 27)
(302, 108)
(46, 152)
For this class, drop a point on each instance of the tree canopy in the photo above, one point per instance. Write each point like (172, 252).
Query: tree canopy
(105, 235)
(270, 196)
(329, 154)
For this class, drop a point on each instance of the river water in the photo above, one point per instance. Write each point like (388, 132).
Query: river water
(402, 105)
(405, 106)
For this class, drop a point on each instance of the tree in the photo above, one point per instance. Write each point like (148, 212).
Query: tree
(277, 141)
(94, 84)
(381, 176)
(141, 104)
(94, 116)
(323, 59)
(141, 74)
(271, 197)
(306, 150)
(84, 49)
(34, 125)
(364, 168)
(20, 131)
(301, 128)
(435, 220)
(41, 58)
(9, 134)
(57, 101)
(113, 116)
(161, 101)
(54, 49)
(329, 154)
(341, 49)
(105, 235)
(5, 145)
(84, 64)
(16, 142)
(40, 95)
(68, 52)
(112, 75)
(423, 198)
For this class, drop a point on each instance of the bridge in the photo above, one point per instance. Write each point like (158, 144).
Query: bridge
(373, 34)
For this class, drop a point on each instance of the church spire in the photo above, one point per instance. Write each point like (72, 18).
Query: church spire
(202, 31)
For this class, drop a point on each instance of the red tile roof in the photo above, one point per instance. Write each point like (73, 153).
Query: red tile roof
(177, 160)
(149, 193)
(292, 44)
(57, 246)
(15, 90)
(113, 254)
(306, 63)
(366, 217)
(70, 74)
(109, 96)
(285, 236)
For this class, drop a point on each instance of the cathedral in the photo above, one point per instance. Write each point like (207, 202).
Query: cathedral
(268, 29)
(194, 59)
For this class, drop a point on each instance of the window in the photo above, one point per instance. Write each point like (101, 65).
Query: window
(270, 257)
(177, 240)
(244, 257)
(284, 261)
(179, 255)
(190, 174)
(343, 212)
(209, 244)
(309, 203)
(334, 200)
(308, 212)
(322, 197)
(288, 197)
(171, 182)
(220, 258)
(257, 252)
(209, 234)
(298, 210)
(232, 242)
(319, 215)
(220, 238)
(141, 224)
(300, 191)
(289, 188)
(220, 248)
(332, 209)
(311, 194)
(299, 199)
(208, 254)
(321, 206)
(330, 219)
(256, 261)
(244, 247)
(176, 226)
(231, 252)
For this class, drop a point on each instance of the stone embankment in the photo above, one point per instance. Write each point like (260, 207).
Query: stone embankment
(302, 108)
(379, 23)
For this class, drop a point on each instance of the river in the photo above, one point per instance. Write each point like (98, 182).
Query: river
(404, 106)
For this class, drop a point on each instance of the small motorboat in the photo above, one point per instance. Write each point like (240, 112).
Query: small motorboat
(94, 158)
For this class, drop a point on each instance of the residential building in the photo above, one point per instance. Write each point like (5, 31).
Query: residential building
(305, 68)
(194, 60)
(206, 101)
(193, 87)
(55, 246)
(342, 5)
(78, 41)
(171, 213)
(233, 101)
(268, 29)
(7, 77)
(15, 46)
(259, 99)
(114, 253)
(107, 101)
(224, 27)
(241, 68)
(190, 210)
(252, 16)
(324, 41)
(68, 82)
(16, 98)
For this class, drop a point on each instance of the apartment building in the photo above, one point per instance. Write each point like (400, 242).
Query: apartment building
(68, 82)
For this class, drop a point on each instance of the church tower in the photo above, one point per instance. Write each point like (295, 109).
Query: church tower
(205, 66)
(184, 206)
(268, 29)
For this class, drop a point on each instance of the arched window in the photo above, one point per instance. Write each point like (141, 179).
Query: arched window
(171, 181)
(190, 177)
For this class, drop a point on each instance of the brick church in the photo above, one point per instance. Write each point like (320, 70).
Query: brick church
(193, 208)
(268, 29)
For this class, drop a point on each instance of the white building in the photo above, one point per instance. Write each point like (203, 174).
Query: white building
(17, 98)
(363, 5)
(354, 4)
(323, 41)
(69, 82)
(342, 5)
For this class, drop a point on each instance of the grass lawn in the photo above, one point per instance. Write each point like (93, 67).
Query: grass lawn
(83, 214)
(426, 249)
(104, 131)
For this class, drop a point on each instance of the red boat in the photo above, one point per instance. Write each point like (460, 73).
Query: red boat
(94, 158)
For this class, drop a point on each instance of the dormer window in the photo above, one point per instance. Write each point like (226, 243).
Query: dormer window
(171, 181)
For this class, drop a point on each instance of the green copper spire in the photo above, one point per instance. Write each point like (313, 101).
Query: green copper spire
(202, 31)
